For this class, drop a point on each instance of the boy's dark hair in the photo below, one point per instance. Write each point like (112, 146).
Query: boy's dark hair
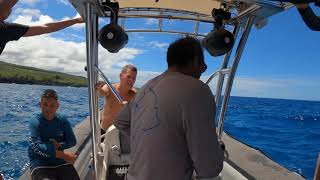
(49, 93)
(183, 51)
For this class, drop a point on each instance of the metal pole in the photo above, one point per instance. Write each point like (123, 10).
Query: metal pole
(91, 39)
(224, 66)
(233, 70)
(99, 158)
(108, 83)
(196, 28)
(115, 92)
(95, 80)
(223, 71)
(250, 10)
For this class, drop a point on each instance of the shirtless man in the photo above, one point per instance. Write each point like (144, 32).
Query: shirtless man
(125, 88)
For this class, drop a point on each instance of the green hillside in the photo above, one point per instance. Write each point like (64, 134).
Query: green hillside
(11, 73)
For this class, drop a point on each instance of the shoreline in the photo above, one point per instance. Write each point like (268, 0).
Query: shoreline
(42, 83)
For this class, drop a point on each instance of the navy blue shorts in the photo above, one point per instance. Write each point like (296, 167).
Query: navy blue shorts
(64, 172)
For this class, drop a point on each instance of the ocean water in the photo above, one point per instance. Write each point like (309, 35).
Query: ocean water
(288, 131)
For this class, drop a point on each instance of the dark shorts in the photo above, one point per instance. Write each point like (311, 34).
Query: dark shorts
(64, 172)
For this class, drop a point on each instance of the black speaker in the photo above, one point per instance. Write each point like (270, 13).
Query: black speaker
(218, 42)
(113, 38)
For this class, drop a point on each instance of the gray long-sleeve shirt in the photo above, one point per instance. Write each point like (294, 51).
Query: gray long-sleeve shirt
(171, 125)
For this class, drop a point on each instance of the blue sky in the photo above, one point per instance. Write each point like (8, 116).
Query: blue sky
(280, 60)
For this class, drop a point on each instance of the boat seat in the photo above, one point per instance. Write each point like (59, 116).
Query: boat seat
(116, 149)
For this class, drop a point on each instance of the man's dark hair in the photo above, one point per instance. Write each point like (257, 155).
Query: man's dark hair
(49, 93)
(183, 51)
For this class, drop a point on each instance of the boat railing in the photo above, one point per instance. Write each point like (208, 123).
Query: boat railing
(252, 12)
(108, 83)
(218, 73)
(232, 73)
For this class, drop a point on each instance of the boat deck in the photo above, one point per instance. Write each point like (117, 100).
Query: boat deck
(254, 164)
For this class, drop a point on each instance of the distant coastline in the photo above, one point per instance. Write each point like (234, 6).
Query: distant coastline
(12, 73)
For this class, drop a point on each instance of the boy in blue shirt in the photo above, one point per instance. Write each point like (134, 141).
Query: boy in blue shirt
(51, 133)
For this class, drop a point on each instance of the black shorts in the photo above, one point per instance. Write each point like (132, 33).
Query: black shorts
(64, 172)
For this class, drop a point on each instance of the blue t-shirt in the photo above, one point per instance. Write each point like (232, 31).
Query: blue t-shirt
(10, 32)
(42, 131)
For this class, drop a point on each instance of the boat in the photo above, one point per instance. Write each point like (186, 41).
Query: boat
(109, 160)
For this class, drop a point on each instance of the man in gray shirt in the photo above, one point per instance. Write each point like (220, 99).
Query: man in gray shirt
(171, 121)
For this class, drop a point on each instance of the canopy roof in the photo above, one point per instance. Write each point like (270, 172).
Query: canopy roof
(197, 6)
(200, 10)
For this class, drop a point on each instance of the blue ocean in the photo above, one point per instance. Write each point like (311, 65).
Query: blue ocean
(288, 131)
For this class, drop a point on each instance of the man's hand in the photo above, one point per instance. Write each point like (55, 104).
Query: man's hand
(80, 20)
(123, 103)
(301, 5)
(56, 144)
(67, 156)
(70, 157)
(99, 85)
(102, 89)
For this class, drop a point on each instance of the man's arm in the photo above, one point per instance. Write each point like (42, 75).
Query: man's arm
(6, 6)
(69, 136)
(102, 88)
(37, 146)
(67, 156)
(204, 148)
(51, 27)
(123, 119)
(309, 17)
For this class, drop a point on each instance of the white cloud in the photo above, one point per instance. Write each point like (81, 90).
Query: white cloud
(28, 12)
(30, 2)
(71, 37)
(151, 21)
(159, 45)
(34, 17)
(47, 52)
(144, 76)
(65, 2)
(278, 87)
(29, 20)
(53, 54)
(109, 61)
